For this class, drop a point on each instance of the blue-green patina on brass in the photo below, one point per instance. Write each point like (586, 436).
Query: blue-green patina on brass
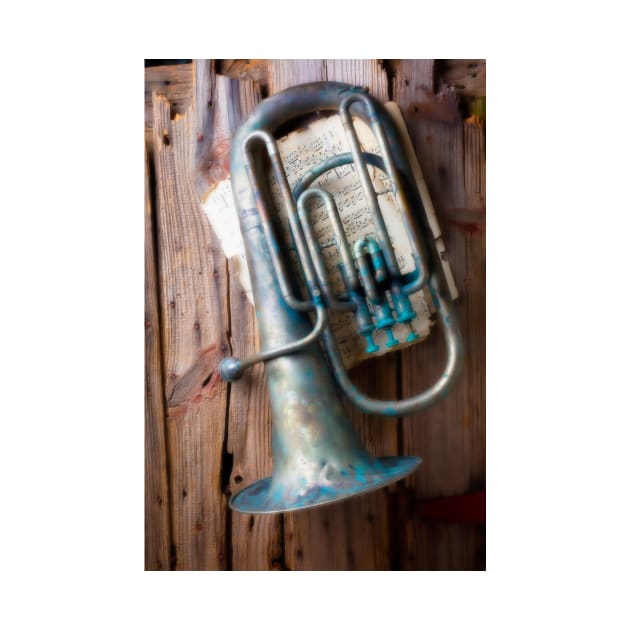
(317, 456)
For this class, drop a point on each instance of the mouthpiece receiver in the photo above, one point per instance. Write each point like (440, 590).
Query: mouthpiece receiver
(230, 369)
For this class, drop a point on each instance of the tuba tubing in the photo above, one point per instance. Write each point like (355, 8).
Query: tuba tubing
(317, 455)
(283, 325)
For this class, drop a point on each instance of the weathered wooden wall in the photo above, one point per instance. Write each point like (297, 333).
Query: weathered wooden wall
(206, 439)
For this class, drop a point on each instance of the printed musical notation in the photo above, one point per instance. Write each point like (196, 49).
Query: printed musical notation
(300, 151)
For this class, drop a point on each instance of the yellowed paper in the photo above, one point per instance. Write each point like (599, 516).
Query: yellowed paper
(300, 151)
(221, 211)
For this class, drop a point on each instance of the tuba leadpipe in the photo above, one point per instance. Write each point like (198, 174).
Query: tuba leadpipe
(317, 456)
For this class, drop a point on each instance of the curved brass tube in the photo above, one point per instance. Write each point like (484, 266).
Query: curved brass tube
(253, 214)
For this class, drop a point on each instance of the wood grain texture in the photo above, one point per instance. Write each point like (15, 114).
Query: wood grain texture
(450, 436)
(255, 70)
(284, 73)
(173, 82)
(156, 500)
(365, 72)
(256, 539)
(466, 76)
(218, 436)
(192, 282)
(367, 516)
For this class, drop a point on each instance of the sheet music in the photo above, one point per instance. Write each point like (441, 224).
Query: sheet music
(303, 149)
(221, 211)
(300, 151)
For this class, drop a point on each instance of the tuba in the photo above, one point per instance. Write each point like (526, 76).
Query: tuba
(317, 455)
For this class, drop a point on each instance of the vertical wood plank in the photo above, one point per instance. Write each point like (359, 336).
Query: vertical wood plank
(257, 543)
(367, 516)
(365, 72)
(255, 540)
(156, 501)
(450, 436)
(192, 280)
(174, 82)
(317, 540)
(352, 534)
(286, 72)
